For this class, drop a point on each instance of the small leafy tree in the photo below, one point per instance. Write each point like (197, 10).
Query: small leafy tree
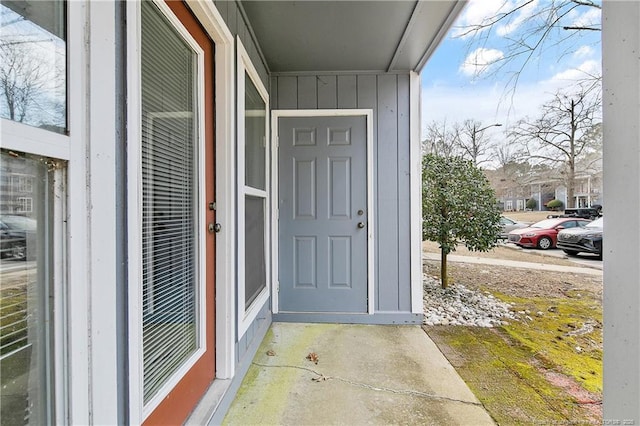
(458, 206)
(532, 203)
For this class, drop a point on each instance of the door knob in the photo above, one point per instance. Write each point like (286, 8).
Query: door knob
(360, 225)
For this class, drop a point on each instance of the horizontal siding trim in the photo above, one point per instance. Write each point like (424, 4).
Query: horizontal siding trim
(349, 72)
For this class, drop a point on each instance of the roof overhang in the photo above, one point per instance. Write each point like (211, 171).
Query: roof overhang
(339, 36)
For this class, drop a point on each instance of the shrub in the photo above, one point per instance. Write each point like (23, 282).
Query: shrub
(532, 203)
(555, 205)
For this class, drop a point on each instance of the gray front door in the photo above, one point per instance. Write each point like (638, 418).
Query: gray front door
(323, 214)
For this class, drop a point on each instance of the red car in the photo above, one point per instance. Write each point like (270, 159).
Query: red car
(543, 234)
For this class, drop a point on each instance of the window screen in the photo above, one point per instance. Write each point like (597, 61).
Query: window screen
(169, 189)
(255, 268)
(255, 195)
(254, 136)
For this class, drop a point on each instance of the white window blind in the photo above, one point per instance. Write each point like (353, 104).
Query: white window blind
(169, 190)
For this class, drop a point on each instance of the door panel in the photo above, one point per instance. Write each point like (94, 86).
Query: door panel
(183, 397)
(322, 199)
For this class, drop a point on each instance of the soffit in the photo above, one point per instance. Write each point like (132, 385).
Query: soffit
(330, 35)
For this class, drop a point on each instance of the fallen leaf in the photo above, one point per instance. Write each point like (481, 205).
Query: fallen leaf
(313, 357)
(271, 352)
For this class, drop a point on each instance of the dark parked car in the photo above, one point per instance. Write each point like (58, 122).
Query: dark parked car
(543, 234)
(14, 233)
(590, 213)
(582, 240)
(509, 225)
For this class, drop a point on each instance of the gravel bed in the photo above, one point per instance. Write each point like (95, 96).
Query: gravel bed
(458, 305)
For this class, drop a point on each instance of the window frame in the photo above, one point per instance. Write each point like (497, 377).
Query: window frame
(25, 204)
(246, 315)
(61, 149)
(140, 410)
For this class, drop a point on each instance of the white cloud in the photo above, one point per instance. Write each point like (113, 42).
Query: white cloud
(479, 12)
(583, 52)
(521, 16)
(486, 104)
(490, 104)
(591, 18)
(476, 12)
(480, 60)
(585, 70)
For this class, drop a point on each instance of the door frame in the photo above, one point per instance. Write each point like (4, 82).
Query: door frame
(225, 92)
(275, 216)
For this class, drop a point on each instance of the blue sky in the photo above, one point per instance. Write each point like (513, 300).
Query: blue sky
(457, 83)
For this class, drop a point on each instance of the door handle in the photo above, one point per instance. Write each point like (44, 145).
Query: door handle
(360, 225)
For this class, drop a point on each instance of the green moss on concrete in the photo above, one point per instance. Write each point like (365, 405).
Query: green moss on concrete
(500, 375)
(566, 336)
(505, 375)
(264, 392)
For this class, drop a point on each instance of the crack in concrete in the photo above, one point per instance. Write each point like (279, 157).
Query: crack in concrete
(321, 378)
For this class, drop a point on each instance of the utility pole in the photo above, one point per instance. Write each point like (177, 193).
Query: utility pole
(474, 147)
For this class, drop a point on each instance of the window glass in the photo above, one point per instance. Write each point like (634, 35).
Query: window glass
(33, 84)
(254, 136)
(169, 201)
(25, 295)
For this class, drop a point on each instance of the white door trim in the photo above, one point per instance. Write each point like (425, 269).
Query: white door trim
(275, 116)
(415, 191)
(224, 110)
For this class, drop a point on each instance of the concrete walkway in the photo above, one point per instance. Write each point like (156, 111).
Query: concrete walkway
(366, 374)
(515, 264)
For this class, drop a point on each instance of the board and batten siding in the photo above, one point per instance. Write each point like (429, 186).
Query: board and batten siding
(389, 97)
(238, 26)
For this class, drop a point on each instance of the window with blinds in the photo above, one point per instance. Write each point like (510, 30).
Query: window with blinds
(170, 323)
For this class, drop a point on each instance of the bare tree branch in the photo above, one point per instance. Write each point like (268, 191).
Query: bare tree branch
(532, 40)
(567, 130)
(582, 28)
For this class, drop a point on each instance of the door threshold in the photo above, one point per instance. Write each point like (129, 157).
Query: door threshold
(378, 318)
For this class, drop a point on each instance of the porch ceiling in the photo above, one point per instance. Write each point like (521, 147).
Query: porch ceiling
(361, 35)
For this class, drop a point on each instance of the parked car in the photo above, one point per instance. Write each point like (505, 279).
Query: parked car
(543, 234)
(582, 240)
(509, 225)
(14, 233)
(590, 213)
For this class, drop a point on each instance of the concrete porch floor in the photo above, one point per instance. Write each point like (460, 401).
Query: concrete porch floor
(366, 374)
